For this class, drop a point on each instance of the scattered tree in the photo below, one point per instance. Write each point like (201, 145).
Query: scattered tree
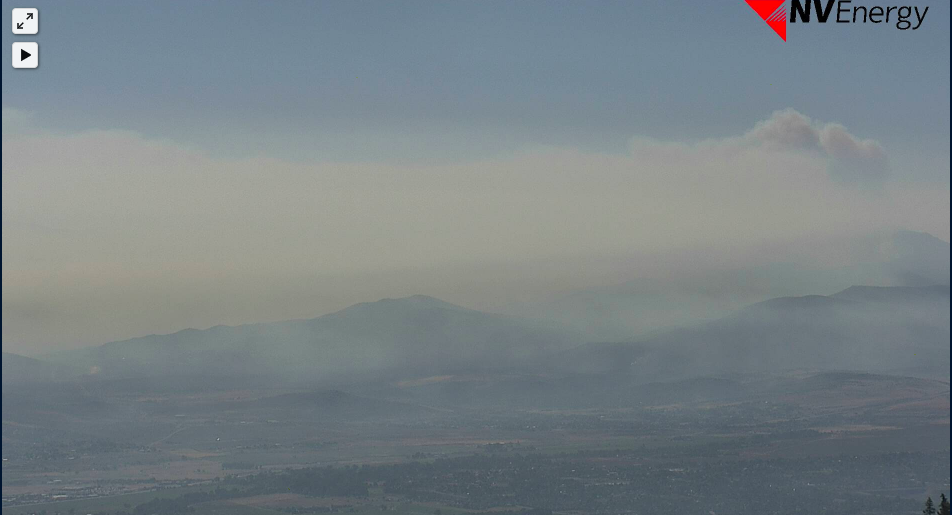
(943, 505)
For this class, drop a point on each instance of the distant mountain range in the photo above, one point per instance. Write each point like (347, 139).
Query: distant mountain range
(861, 328)
(415, 335)
(643, 306)
(879, 329)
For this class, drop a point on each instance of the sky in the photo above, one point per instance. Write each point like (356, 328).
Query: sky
(188, 164)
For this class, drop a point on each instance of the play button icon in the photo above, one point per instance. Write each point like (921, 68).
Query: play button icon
(26, 55)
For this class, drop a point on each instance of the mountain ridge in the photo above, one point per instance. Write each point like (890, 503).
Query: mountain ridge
(415, 332)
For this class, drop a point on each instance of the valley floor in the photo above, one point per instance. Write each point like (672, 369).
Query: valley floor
(854, 443)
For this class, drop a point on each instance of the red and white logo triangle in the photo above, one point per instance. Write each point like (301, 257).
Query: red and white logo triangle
(774, 13)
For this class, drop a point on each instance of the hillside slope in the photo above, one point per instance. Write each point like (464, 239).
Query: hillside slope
(416, 334)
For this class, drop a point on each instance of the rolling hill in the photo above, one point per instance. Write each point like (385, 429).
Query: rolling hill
(861, 328)
(19, 369)
(417, 334)
(643, 306)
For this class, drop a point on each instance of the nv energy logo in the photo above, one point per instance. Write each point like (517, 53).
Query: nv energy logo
(774, 12)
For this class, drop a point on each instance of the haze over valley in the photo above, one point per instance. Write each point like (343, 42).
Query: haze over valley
(862, 370)
(475, 258)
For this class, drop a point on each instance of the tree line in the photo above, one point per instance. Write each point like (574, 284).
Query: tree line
(930, 508)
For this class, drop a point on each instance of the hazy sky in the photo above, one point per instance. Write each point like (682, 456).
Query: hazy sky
(185, 164)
